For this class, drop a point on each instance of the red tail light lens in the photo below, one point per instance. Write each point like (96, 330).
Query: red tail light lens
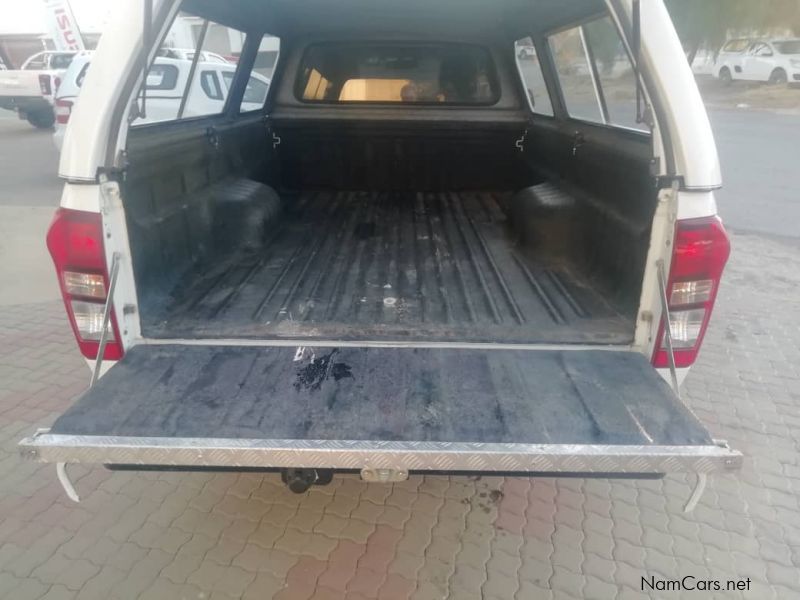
(44, 85)
(63, 111)
(75, 241)
(701, 251)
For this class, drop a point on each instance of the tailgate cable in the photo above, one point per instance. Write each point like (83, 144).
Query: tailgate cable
(662, 286)
(61, 468)
(702, 478)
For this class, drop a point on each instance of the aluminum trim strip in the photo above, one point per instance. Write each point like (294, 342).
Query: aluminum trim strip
(335, 454)
(321, 343)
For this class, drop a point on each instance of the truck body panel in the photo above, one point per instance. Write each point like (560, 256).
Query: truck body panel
(450, 280)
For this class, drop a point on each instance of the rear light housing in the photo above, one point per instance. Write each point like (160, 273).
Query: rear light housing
(45, 85)
(75, 241)
(63, 111)
(700, 253)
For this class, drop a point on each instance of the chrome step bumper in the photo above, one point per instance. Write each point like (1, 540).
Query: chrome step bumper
(407, 456)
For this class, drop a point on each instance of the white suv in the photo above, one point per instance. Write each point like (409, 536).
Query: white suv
(773, 61)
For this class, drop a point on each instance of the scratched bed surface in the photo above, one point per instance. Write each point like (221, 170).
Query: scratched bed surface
(359, 265)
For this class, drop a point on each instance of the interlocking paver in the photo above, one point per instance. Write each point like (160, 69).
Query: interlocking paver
(266, 534)
(357, 531)
(58, 592)
(181, 568)
(162, 588)
(29, 588)
(101, 584)
(263, 586)
(320, 546)
(225, 550)
(141, 574)
(242, 536)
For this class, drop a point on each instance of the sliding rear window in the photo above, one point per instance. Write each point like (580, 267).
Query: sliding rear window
(445, 74)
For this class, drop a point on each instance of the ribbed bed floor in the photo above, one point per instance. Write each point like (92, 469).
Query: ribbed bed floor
(390, 266)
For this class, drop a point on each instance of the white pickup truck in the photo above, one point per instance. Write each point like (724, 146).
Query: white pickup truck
(165, 92)
(421, 253)
(30, 90)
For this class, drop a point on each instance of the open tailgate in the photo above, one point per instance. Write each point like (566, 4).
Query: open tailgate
(407, 409)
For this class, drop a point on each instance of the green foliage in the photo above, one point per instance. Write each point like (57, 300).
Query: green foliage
(707, 23)
(605, 43)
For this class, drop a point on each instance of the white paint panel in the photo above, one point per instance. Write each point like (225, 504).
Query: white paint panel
(694, 148)
(694, 205)
(81, 197)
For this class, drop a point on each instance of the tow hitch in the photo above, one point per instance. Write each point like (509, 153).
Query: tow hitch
(299, 480)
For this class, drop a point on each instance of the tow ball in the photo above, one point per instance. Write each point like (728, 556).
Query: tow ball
(299, 480)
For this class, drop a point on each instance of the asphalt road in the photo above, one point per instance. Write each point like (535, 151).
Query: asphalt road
(29, 192)
(28, 164)
(760, 157)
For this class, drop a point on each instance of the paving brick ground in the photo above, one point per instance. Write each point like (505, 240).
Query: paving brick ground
(224, 536)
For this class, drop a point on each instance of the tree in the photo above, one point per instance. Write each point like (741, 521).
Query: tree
(708, 23)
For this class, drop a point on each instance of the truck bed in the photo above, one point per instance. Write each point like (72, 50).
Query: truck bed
(429, 267)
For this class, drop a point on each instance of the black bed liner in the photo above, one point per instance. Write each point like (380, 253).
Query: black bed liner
(390, 266)
(387, 394)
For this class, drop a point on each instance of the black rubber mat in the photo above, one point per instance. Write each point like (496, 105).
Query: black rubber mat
(350, 265)
(552, 397)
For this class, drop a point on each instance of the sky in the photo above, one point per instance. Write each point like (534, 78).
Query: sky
(27, 16)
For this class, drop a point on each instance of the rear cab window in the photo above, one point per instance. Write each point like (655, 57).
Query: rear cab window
(162, 77)
(398, 73)
(61, 61)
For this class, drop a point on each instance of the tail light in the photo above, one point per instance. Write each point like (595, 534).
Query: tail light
(45, 85)
(701, 251)
(63, 111)
(75, 241)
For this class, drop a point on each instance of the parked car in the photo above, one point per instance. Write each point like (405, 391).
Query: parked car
(166, 80)
(29, 90)
(771, 61)
(396, 263)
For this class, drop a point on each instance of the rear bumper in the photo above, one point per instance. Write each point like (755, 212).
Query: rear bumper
(400, 456)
